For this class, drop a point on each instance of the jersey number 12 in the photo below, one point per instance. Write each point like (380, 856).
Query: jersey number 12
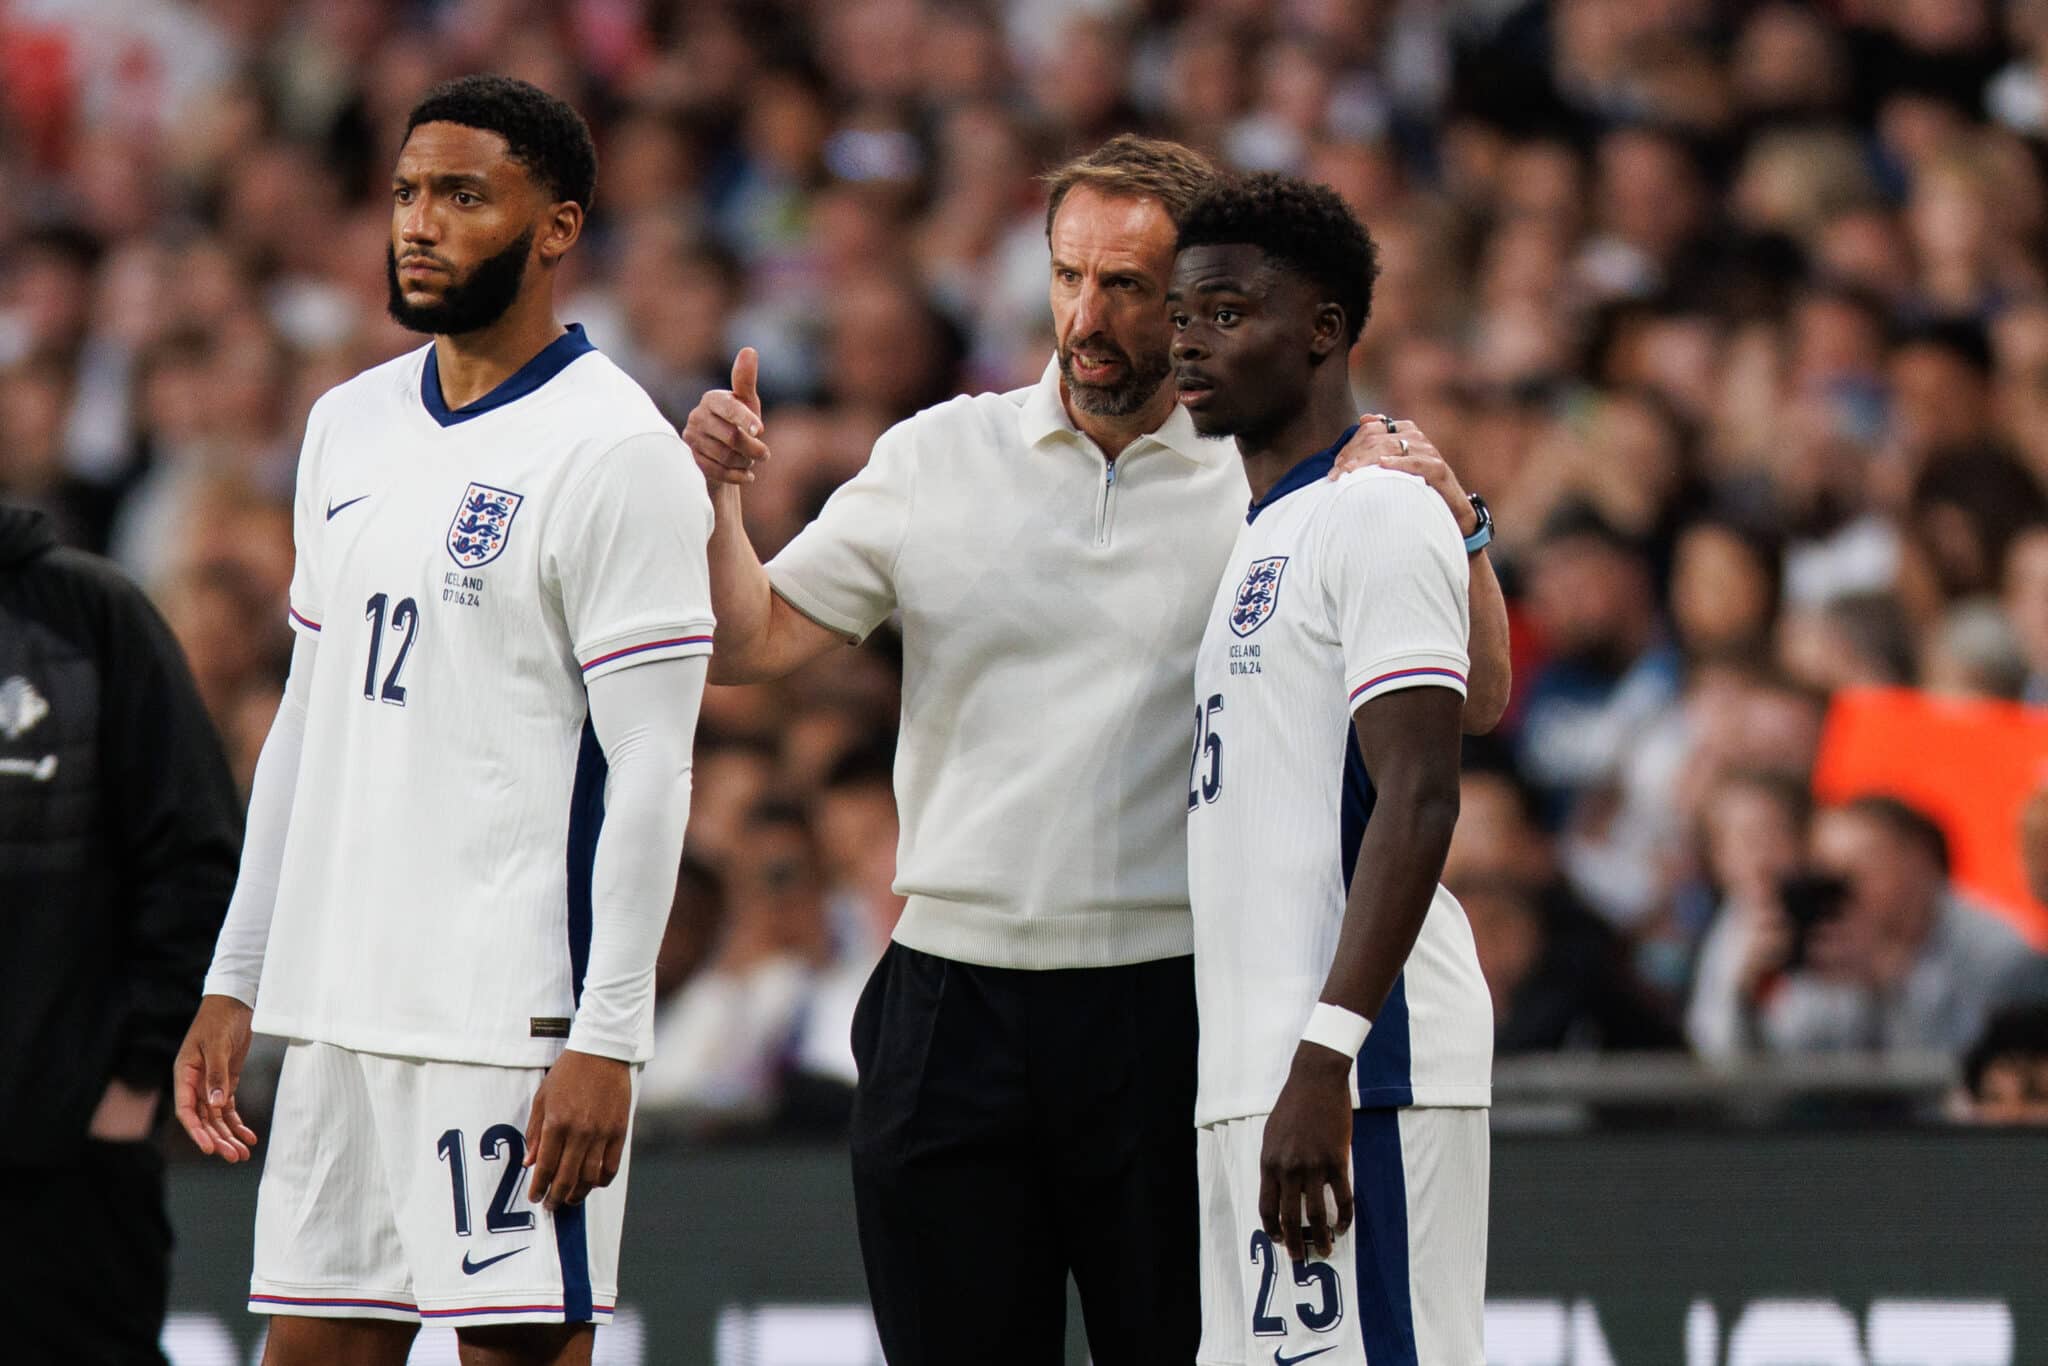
(405, 621)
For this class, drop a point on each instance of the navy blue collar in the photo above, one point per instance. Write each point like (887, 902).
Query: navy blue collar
(1301, 476)
(550, 361)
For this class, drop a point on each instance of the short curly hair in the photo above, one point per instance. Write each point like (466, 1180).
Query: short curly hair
(543, 133)
(1305, 227)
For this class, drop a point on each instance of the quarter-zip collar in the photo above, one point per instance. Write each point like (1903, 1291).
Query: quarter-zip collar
(1043, 416)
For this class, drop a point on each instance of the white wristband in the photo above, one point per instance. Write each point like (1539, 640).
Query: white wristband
(1336, 1028)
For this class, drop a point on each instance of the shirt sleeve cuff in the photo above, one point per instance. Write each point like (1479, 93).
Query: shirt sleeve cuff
(303, 619)
(815, 608)
(600, 1044)
(225, 984)
(628, 648)
(1406, 671)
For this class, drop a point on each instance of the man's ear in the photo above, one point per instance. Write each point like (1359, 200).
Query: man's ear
(559, 231)
(1330, 334)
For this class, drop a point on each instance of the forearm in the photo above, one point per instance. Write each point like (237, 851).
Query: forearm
(740, 594)
(645, 719)
(1492, 677)
(1400, 859)
(238, 953)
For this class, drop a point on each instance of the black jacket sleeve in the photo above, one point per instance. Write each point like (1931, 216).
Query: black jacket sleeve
(176, 824)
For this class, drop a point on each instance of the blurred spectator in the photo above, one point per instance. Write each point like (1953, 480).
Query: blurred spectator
(1738, 315)
(1611, 674)
(1871, 949)
(723, 1041)
(1560, 977)
(2005, 1073)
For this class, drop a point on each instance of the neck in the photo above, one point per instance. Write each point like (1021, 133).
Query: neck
(1270, 453)
(474, 363)
(1112, 434)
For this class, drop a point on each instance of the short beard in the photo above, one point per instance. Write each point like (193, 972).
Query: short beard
(1141, 381)
(468, 305)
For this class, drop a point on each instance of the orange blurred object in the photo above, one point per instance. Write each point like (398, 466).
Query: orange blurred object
(1969, 764)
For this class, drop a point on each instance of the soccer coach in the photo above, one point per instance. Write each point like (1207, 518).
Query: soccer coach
(1027, 1044)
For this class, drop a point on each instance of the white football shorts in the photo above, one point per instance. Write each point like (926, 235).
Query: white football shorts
(394, 1188)
(1405, 1287)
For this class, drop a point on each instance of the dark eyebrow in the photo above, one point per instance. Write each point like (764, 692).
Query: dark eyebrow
(445, 181)
(1226, 285)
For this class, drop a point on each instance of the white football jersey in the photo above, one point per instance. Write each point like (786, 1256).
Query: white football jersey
(1335, 594)
(467, 573)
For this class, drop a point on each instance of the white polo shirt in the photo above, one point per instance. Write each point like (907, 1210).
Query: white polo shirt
(1051, 605)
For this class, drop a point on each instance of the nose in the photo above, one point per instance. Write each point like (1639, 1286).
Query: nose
(416, 224)
(1091, 313)
(1188, 346)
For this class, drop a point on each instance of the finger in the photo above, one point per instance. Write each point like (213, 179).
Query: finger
(731, 407)
(185, 1104)
(730, 434)
(1340, 1182)
(1269, 1201)
(614, 1158)
(1422, 466)
(1317, 1234)
(1290, 1215)
(717, 445)
(225, 1144)
(566, 1186)
(723, 474)
(591, 1174)
(746, 372)
(240, 1128)
(546, 1162)
(217, 1087)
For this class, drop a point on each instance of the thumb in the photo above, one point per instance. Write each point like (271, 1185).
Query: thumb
(746, 373)
(216, 1090)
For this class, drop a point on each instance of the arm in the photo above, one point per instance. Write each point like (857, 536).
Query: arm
(1492, 678)
(176, 817)
(759, 636)
(209, 1063)
(831, 585)
(1394, 587)
(1409, 740)
(645, 719)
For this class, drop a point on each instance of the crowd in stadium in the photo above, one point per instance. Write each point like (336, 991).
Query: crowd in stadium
(1736, 313)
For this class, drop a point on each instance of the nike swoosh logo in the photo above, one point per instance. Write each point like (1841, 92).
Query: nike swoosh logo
(470, 1268)
(333, 508)
(1279, 1360)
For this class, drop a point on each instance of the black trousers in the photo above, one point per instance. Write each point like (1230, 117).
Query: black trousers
(88, 1268)
(1011, 1128)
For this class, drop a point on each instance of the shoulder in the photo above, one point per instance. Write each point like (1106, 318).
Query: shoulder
(607, 404)
(964, 414)
(102, 592)
(379, 387)
(1391, 502)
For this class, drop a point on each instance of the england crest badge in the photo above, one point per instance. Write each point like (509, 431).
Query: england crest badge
(1258, 595)
(477, 535)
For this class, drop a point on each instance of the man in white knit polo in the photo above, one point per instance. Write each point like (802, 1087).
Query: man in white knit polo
(1026, 1047)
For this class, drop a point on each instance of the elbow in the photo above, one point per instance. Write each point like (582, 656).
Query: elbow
(1484, 708)
(1436, 812)
(1424, 810)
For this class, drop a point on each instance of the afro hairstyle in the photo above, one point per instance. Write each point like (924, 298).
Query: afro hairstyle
(542, 133)
(1305, 227)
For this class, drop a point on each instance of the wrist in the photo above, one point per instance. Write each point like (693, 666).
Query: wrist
(1333, 1033)
(1476, 525)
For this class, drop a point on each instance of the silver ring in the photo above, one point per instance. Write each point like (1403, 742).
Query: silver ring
(1390, 421)
(1404, 444)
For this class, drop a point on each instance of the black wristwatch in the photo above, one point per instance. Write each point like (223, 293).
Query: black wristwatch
(1483, 533)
